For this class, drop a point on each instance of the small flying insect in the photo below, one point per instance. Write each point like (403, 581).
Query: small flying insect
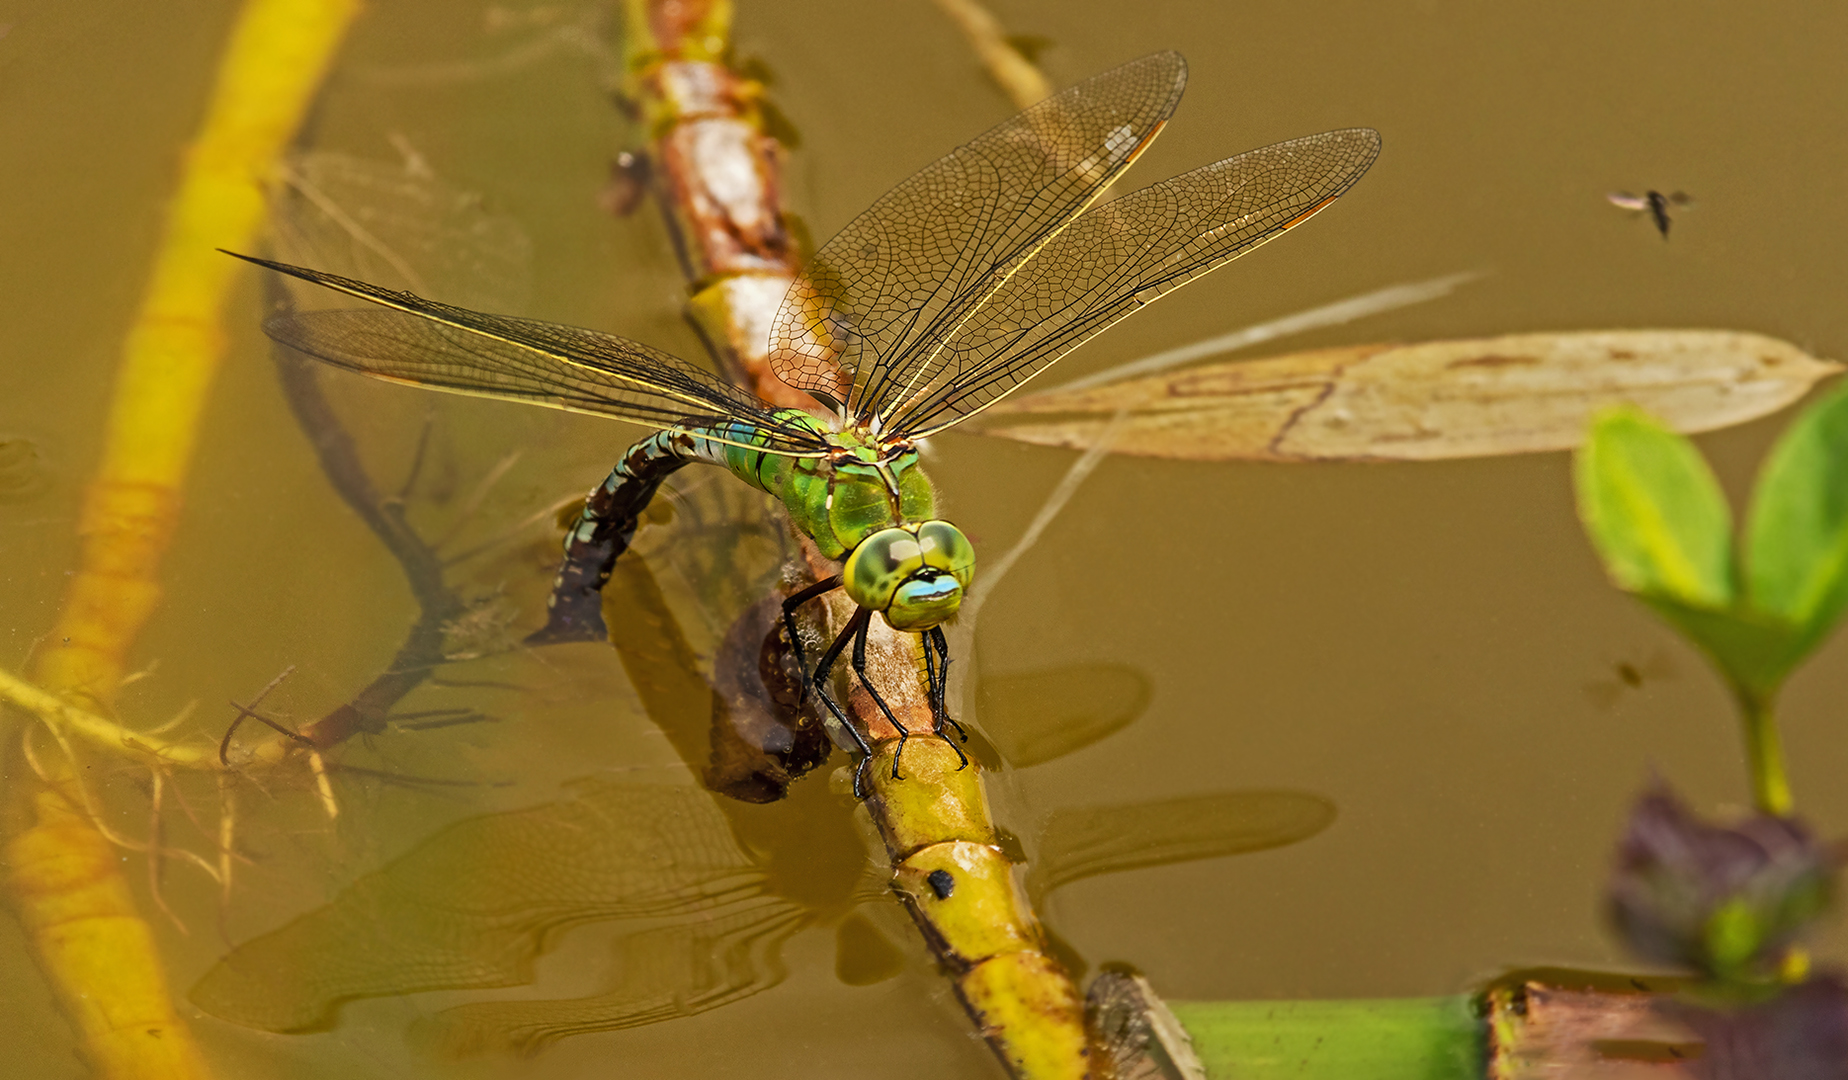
(953, 290)
(1653, 203)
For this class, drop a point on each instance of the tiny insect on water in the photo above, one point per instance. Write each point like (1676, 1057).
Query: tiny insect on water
(949, 293)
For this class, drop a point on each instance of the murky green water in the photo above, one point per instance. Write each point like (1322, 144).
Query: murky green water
(1431, 647)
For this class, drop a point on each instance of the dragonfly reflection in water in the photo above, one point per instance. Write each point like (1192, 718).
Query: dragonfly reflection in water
(954, 289)
(700, 896)
(696, 896)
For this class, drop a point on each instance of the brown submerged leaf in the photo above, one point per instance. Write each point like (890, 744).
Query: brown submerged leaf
(1443, 399)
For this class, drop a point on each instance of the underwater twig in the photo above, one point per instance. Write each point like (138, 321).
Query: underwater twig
(1000, 53)
(473, 502)
(87, 801)
(60, 715)
(249, 712)
(227, 836)
(518, 528)
(322, 785)
(1335, 313)
(121, 1012)
(1067, 487)
(426, 719)
(438, 604)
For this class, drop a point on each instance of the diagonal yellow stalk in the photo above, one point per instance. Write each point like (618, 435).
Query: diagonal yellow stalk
(63, 876)
(1017, 76)
(948, 867)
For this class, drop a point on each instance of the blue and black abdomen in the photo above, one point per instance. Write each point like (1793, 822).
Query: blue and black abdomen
(602, 532)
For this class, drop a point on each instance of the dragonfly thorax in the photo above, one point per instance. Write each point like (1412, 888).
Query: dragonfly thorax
(869, 504)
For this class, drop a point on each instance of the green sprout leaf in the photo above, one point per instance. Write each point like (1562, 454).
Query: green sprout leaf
(1654, 512)
(1797, 532)
(1754, 651)
(1658, 519)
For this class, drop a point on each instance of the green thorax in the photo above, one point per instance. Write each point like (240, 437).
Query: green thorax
(838, 501)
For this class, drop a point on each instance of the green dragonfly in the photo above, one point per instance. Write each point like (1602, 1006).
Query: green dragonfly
(954, 289)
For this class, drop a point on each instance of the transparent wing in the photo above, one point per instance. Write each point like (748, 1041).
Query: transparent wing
(408, 339)
(1121, 256)
(877, 300)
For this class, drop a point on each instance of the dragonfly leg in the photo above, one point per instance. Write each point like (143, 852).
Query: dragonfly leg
(602, 533)
(790, 604)
(859, 668)
(855, 625)
(939, 674)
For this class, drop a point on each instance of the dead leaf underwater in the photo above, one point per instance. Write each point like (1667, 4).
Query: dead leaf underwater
(1478, 397)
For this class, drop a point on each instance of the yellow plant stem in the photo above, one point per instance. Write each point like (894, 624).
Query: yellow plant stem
(275, 60)
(107, 734)
(1764, 749)
(1016, 75)
(961, 890)
(63, 875)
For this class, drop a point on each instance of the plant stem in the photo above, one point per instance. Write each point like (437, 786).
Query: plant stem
(1765, 750)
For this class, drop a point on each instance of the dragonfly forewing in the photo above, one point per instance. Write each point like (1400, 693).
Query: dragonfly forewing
(1119, 257)
(877, 299)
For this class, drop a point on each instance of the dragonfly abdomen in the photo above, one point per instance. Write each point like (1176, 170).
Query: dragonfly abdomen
(603, 529)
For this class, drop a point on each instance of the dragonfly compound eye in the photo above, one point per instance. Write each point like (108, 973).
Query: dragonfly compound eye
(880, 564)
(945, 548)
(913, 575)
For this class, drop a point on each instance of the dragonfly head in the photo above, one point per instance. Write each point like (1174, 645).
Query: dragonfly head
(914, 575)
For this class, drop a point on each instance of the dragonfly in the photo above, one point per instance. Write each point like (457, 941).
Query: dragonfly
(953, 290)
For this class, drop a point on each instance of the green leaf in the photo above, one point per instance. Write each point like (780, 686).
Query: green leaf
(1754, 651)
(1654, 511)
(1797, 532)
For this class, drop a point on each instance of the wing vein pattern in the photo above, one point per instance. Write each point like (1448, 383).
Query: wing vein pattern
(875, 304)
(1121, 256)
(411, 340)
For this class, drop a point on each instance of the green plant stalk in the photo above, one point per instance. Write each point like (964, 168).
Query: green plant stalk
(1765, 753)
(1436, 1038)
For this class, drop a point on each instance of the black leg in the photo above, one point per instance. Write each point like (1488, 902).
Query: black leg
(936, 675)
(940, 688)
(859, 668)
(855, 625)
(790, 604)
